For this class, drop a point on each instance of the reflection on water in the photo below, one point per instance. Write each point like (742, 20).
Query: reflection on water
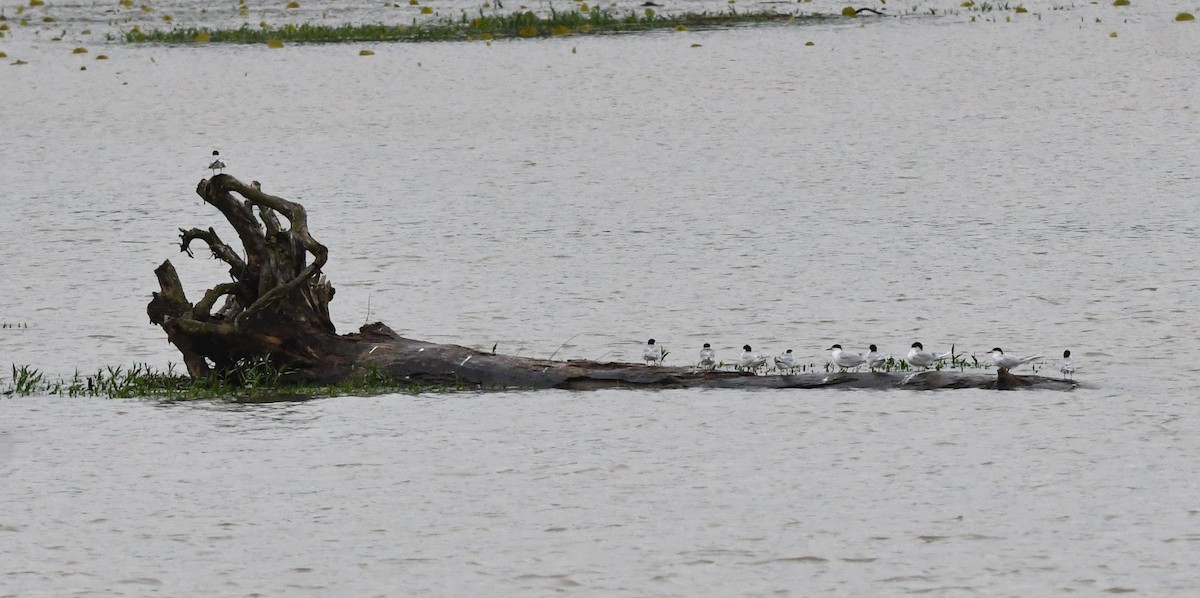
(1015, 183)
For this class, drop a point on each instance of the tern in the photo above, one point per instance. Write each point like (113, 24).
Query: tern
(785, 362)
(708, 358)
(653, 354)
(918, 357)
(751, 360)
(845, 359)
(1068, 367)
(875, 359)
(1004, 362)
(217, 163)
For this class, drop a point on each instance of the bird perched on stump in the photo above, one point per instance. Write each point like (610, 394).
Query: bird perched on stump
(217, 163)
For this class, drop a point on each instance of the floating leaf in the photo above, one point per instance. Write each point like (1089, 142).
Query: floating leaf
(649, 13)
(968, 4)
(243, 13)
(203, 37)
(573, 50)
(849, 12)
(37, 3)
(1185, 16)
(19, 62)
(147, 8)
(48, 19)
(413, 2)
(274, 43)
(1113, 34)
(293, 4)
(426, 10)
(1021, 9)
(102, 57)
(126, 3)
(809, 44)
(696, 45)
(85, 32)
(83, 68)
(79, 51)
(3, 55)
(365, 53)
(168, 18)
(1120, 2)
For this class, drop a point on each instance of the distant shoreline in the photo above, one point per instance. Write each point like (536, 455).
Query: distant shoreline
(482, 27)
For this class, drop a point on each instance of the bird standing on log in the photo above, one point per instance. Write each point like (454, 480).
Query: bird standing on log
(652, 354)
(785, 362)
(1000, 360)
(875, 359)
(918, 357)
(217, 163)
(1067, 367)
(751, 360)
(845, 359)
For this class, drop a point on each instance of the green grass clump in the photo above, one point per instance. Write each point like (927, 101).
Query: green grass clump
(463, 28)
(255, 380)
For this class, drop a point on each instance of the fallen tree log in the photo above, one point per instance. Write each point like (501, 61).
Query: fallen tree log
(276, 307)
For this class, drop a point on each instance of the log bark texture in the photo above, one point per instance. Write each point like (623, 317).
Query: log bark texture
(276, 307)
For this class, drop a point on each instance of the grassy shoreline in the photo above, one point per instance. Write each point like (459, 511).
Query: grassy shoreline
(481, 27)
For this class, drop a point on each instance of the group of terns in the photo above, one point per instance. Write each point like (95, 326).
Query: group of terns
(917, 358)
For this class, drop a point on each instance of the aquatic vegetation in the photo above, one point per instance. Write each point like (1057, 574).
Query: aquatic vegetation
(79, 51)
(260, 382)
(1185, 16)
(463, 28)
(1120, 3)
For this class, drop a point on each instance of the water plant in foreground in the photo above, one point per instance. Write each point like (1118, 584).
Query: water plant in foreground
(259, 381)
(522, 24)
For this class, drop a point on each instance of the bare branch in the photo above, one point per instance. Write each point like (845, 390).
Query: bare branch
(219, 249)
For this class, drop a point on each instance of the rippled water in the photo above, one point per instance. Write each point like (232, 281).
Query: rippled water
(1027, 184)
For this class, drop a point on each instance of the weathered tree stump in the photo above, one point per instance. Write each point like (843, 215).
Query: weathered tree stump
(277, 307)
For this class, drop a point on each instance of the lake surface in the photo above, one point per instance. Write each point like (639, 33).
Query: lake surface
(1027, 183)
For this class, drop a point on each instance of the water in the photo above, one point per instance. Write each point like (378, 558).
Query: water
(1024, 184)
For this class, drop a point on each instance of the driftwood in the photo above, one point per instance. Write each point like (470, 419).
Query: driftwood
(276, 307)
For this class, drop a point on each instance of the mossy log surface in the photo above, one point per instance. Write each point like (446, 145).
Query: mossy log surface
(277, 306)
